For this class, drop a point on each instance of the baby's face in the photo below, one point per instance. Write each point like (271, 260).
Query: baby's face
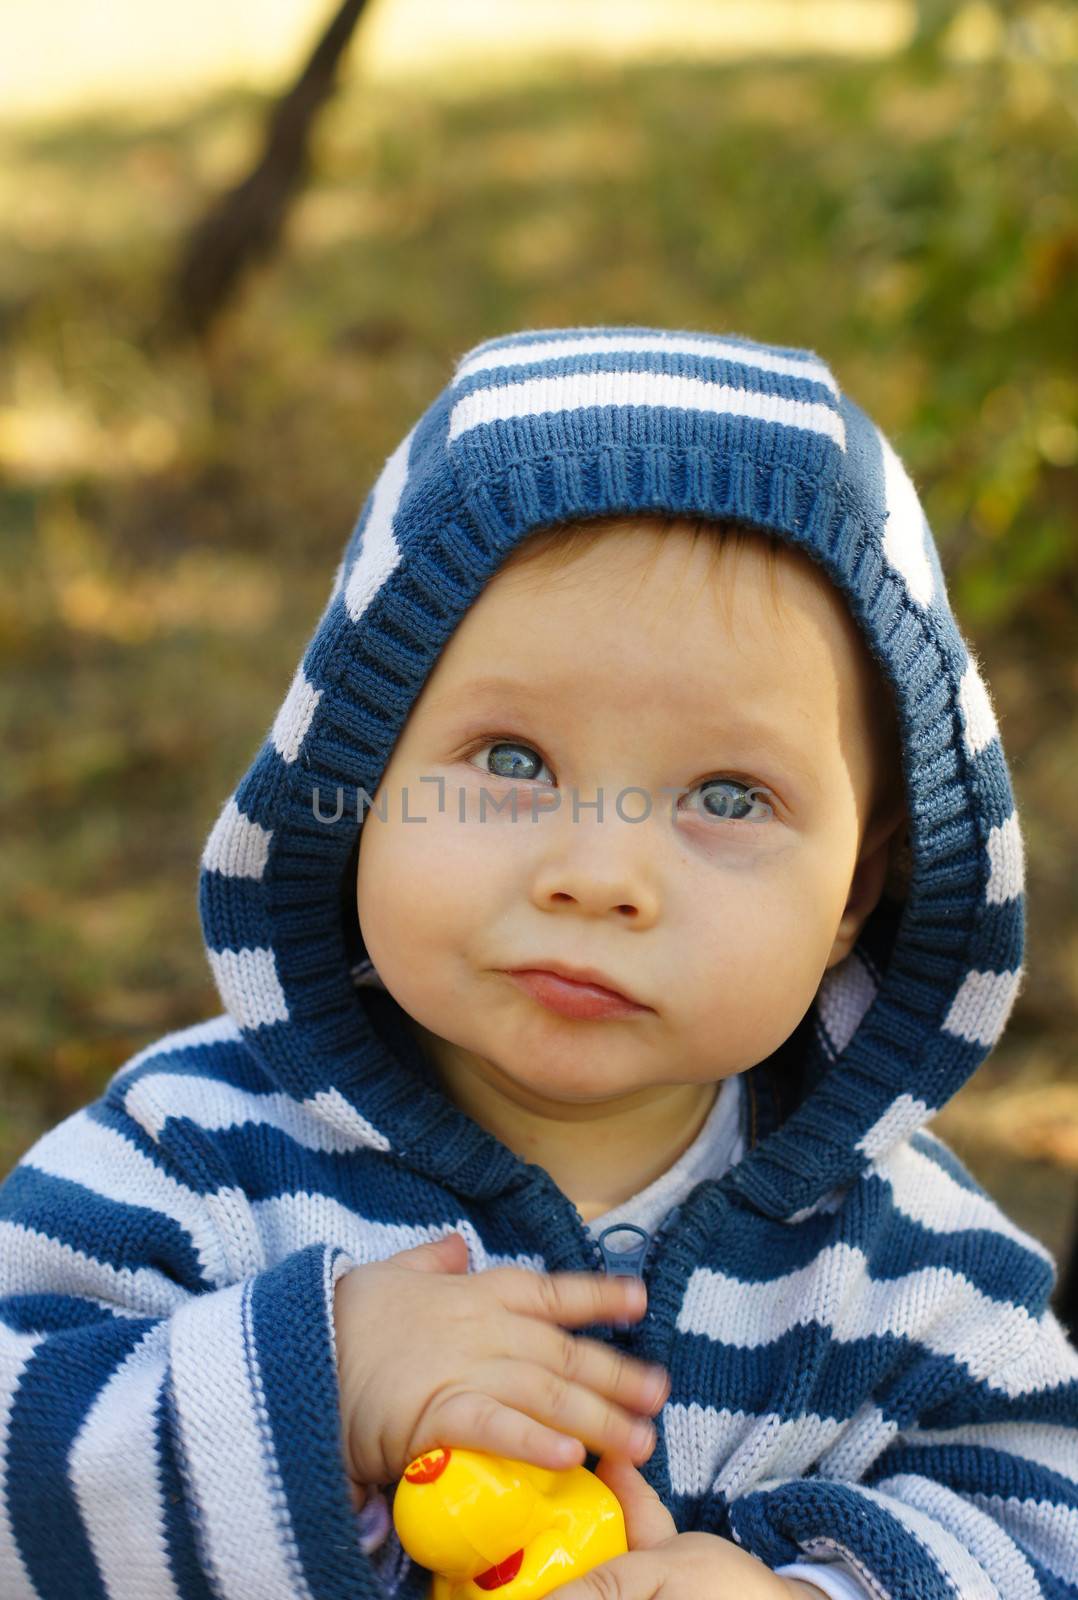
(752, 738)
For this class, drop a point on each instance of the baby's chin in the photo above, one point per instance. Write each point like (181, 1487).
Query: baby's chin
(561, 1077)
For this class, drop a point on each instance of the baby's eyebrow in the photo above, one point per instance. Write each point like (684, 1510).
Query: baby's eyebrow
(468, 692)
(468, 696)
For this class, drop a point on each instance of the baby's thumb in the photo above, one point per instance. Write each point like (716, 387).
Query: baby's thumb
(448, 1254)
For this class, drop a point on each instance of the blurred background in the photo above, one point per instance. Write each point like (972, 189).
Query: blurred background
(243, 243)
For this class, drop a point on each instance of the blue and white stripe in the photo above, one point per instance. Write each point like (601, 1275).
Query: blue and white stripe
(583, 372)
(843, 1310)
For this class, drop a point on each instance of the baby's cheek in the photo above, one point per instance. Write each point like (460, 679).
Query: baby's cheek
(761, 960)
(433, 872)
(449, 861)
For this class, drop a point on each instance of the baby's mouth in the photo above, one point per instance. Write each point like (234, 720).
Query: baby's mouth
(494, 1577)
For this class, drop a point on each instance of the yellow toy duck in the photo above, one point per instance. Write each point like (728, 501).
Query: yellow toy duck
(484, 1523)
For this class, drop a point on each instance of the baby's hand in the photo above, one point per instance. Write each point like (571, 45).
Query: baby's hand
(429, 1354)
(662, 1564)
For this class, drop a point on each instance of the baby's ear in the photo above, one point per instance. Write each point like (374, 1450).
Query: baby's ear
(889, 829)
(896, 883)
(878, 863)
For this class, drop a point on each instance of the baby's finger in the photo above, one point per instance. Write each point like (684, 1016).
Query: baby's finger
(578, 1413)
(635, 1385)
(571, 1299)
(479, 1422)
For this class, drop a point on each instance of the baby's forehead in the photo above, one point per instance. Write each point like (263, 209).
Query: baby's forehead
(754, 575)
(771, 598)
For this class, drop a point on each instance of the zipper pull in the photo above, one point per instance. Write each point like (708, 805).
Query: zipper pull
(627, 1262)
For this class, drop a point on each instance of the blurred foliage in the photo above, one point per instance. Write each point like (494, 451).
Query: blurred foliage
(174, 518)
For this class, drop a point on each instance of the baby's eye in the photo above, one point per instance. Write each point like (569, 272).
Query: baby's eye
(720, 799)
(508, 760)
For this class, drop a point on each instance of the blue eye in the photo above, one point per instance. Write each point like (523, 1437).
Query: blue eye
(724, 806)
(513, 764)
(724, 799)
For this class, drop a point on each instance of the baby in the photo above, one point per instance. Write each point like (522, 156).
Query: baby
(633, 857)
(716, 916)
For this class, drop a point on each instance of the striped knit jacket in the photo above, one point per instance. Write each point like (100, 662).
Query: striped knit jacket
(864, 1363)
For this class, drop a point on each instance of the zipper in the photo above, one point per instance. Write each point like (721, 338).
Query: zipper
(629, 1261)
(624, 1261)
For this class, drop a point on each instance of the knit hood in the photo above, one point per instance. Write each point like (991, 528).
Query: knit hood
(551, 425)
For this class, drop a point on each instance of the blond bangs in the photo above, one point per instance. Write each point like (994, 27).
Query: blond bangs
(557, 546)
